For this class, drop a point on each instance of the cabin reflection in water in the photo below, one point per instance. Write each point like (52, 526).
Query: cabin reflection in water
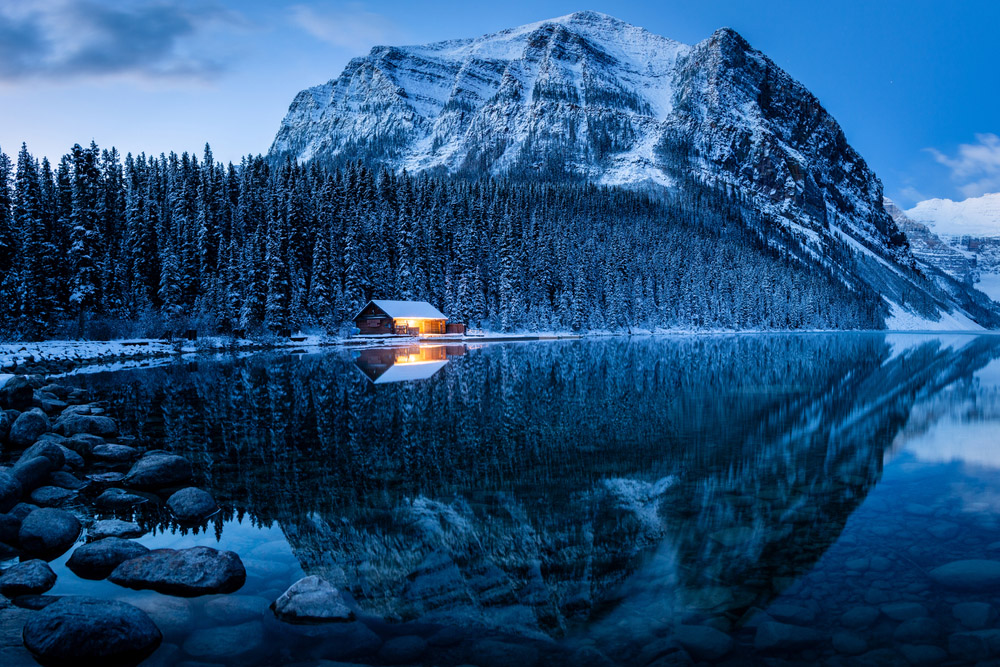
(401, 364)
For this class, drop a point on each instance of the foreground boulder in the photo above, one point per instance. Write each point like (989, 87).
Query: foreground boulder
(16, 393)
(158, 469)
(84, 631)
(50, 450)
(183, 572)
(96, 560)
(28, 427)
(312, 600)
(28, 578)
(192, 504)
(119, 499)
(10, 491)
(31, 472)
(48, 531)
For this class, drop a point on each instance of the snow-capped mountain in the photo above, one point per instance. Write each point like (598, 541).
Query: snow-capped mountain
(930, 248)
(591, 97)
(970, 228)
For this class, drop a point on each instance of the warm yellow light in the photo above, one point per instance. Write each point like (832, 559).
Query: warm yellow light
(412, 323)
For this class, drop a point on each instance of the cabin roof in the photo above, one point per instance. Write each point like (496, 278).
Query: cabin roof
(414, 310)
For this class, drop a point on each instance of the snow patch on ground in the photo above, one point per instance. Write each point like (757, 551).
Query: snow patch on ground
(901, 319)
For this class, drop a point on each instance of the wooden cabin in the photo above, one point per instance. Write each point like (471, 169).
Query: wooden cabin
(408, 318)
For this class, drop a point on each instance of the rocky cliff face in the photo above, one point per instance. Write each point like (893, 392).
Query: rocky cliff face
(930, 248)
(591, 97)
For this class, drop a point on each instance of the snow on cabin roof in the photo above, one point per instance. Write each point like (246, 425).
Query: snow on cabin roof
(414, 310)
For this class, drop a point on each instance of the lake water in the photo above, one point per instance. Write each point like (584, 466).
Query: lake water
(641, 501)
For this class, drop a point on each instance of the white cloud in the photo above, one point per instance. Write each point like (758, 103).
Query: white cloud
(350, 27)
(976, 166)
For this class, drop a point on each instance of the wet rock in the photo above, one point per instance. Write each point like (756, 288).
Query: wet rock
(78, 631)
(158, 469)
(973, 615)
(401, 650)
(96, 560)
(28, 427)
(114, 528)
(10, 526)
(975, 575)
(225, 642)
(84, 443)
(183, 572)
(56, 389)
(920, 630)
(51, 496)
(703, 642)
(114, 453)
(236, 608)
(49, 450)
(29, 577)
(492, 653)
(901, 611)
(48, 531)
(118, 499)
(849, 643)
(73, 460)
(65, 480)
(36, 602)
(74, 423)
(924, 654)
(447, 636)
(7, 418)
(192, 504)
(783, 637)
(31, 472)
(103, 479)
(975, 645)
(16, 393)
(312, 600)
(10, 491)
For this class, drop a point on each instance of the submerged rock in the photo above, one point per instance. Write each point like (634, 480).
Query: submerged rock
(402, 650)
(312, 600)
(30, 577)
(703, 642)
(192, 504)
(79, 631)
(236, 608)
(183, 572)
(158, 469)
(973, 615)
(225, 642)
(975, 575)
(48, 531)
(783, 637)
(96, 560)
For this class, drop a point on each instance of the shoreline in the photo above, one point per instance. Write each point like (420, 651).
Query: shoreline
(57, 358)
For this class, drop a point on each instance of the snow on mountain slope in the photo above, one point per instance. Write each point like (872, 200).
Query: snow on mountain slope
(930, 248)
(591, 97)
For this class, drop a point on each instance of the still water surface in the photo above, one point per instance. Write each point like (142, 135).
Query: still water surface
(643, 501)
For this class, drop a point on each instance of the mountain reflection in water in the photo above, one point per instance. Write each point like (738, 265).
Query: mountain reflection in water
(599, 496)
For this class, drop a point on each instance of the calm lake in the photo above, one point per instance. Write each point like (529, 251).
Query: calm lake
(633, 501)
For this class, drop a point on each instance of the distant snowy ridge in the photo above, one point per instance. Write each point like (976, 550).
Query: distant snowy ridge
(976, 216)
(970, 228)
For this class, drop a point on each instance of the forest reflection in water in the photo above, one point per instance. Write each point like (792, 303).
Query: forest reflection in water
(604, 494)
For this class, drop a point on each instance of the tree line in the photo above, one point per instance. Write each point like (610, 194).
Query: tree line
(98, 245)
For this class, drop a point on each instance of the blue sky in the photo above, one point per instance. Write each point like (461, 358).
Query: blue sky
(914, 83)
